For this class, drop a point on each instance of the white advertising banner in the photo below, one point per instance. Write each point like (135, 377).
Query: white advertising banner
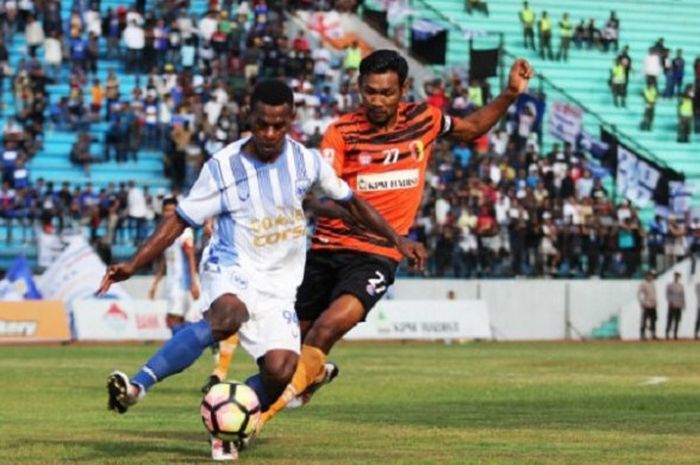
(118, 320)
(426, 320)
(75, 275)
(565, 121)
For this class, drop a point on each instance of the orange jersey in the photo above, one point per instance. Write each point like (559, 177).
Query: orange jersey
(385, 168)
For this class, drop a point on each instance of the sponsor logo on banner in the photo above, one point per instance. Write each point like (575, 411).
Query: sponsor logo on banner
(26, 328)
(116, 318)
(105, 320)
(392, 180)
(411, 319)
(33, 321)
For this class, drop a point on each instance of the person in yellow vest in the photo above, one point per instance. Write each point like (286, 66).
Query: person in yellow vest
(650, 95)
(353, 56)
(685, 114)
(545, 28)
(566, 33)
(527, 19)
(618, 81)
(476, 93)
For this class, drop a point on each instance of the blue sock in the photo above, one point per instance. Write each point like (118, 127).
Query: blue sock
(177, 354)
(255, 382)
(177, 328)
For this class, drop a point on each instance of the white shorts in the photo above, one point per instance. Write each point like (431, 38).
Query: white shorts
(272, 323)
(179, 302)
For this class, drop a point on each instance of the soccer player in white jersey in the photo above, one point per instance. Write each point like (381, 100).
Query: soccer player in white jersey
(254, 189)
(180, 269)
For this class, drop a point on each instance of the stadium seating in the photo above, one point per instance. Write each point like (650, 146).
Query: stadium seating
(585, 75)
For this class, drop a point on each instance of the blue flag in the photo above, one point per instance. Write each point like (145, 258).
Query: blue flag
(19, 283)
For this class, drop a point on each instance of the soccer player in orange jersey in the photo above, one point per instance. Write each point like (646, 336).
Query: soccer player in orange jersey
(382, 151)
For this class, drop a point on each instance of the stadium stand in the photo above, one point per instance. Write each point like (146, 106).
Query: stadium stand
(492, 209)
(585, 75)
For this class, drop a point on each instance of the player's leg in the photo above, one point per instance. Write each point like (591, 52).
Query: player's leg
(177, 304)
(343, 314)
(361, 282)
(224, 317)
(227, 349)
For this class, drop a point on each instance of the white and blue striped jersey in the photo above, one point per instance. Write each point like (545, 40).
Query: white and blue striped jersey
(177, 269)
(259, 222)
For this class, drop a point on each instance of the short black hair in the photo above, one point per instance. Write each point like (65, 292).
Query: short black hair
(272, 92)
(169, 201)
(381, 61)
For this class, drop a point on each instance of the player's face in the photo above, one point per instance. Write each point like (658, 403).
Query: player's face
(269, 125)
(168, 210)
(381, 94)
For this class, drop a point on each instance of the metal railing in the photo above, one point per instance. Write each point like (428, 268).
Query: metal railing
(545, 82)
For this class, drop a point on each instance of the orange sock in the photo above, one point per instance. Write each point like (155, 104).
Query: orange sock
(309, 368)
(226, 351)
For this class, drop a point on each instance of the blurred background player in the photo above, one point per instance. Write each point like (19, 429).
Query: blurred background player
(227, 348)
(178, 264)
(382, 151)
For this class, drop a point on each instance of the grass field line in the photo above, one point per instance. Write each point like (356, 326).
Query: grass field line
(654, 381)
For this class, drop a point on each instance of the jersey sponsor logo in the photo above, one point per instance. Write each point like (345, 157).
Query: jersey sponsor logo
(18, 327)
(271, 230)
(392, 180)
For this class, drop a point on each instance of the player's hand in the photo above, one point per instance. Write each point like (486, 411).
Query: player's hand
(115, 274)
(414, 252)
(194, 289)
(152, 293)
(520, 74)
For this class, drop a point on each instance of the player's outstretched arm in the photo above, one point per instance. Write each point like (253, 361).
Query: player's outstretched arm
(166, 233)
(472, 126)
(370, 218)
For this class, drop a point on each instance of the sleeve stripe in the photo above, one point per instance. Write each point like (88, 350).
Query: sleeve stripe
(186, 217)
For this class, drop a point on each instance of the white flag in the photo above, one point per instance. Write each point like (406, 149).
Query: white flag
(76, 274)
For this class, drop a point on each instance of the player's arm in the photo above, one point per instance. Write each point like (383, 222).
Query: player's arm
(188, 248)
(474, 125)
(165, 234)
(160, 272)
(365, 214)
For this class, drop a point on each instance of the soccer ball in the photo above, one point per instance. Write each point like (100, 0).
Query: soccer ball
(231, 411)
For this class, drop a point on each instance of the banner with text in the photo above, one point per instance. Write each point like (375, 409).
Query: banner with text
(111, 320)
(33, 321)
(426, 320)
(565, 121)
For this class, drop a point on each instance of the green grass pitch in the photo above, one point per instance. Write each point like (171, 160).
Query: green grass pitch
(476, 403)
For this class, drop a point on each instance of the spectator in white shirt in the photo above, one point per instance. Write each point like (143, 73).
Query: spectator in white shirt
(652, 67)
(34, 34)
(134, 40)
(136, 211)
(53, 54)
(207, 25)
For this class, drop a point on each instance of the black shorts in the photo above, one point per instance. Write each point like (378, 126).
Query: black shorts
(330, 274)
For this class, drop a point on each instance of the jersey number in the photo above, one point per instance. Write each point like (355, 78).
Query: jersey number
(391, 155)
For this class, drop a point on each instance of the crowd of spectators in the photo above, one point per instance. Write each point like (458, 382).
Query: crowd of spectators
(502, 206)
